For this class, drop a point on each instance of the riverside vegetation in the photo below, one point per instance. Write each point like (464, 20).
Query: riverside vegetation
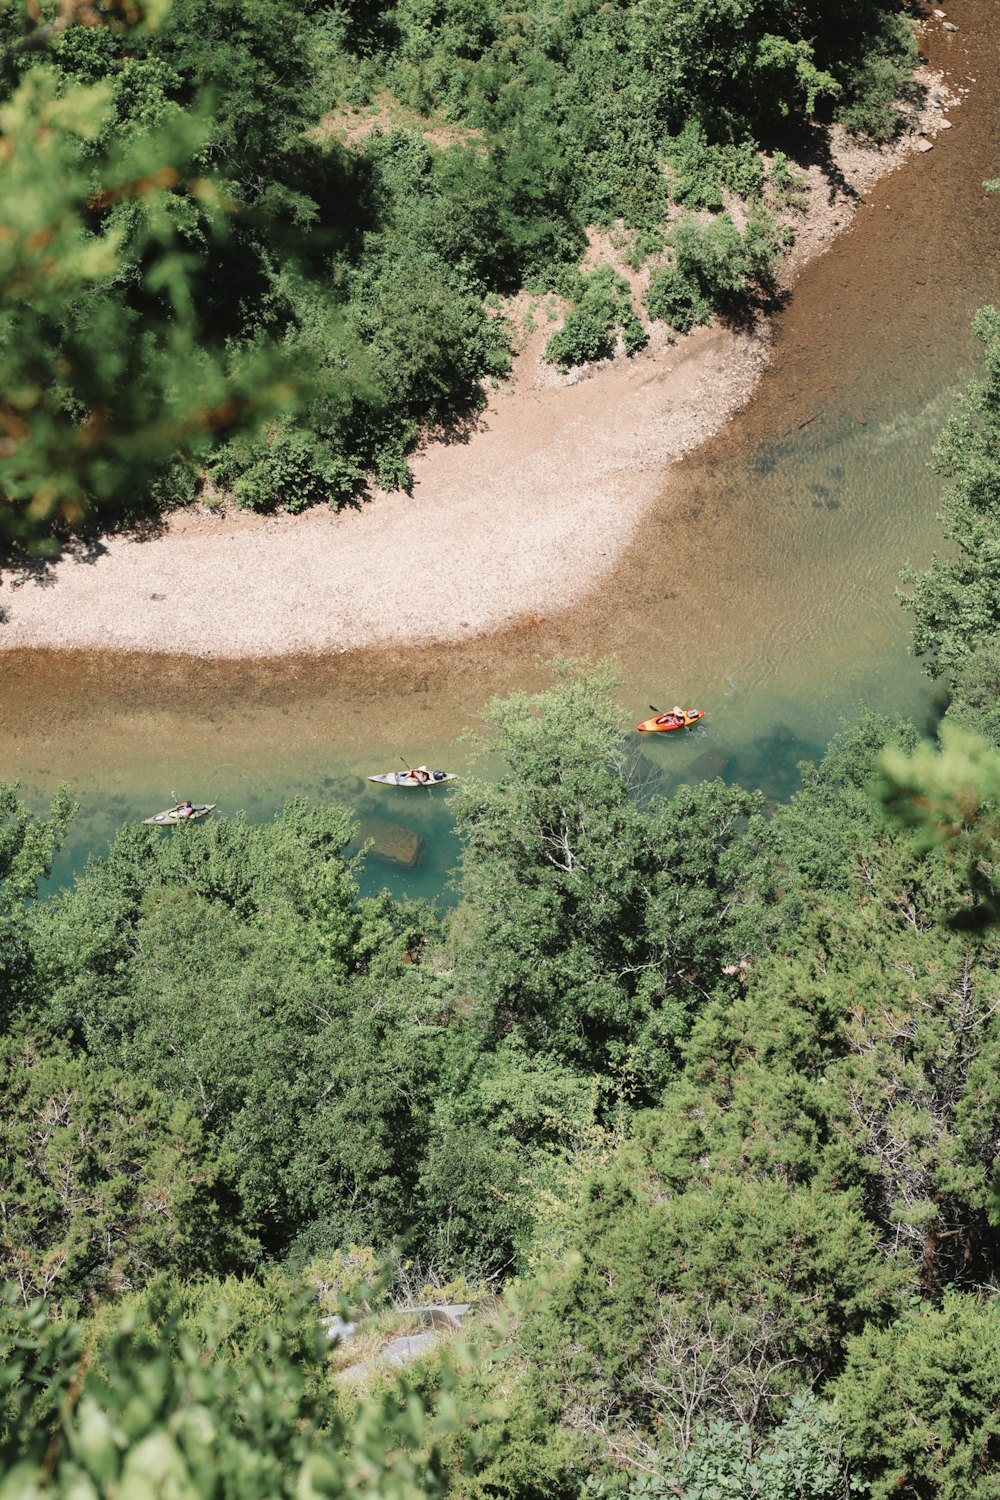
(212, 267)
(697, 1098)
(708, 1090)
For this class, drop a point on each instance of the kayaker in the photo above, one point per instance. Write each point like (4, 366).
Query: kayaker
(421, 774)
(184, 809)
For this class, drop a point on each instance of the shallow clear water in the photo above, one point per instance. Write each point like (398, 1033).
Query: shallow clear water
(761, 587)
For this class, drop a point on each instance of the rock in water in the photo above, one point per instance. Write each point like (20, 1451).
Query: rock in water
(392, 841)
(710, 765)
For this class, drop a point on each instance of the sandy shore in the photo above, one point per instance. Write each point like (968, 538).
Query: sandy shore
(522, 519)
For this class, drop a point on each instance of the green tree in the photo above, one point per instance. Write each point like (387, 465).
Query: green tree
(720, 1302)
(917, 1402)
(235, 969)
(27, 847)
(602, 307)
(593, 927)
(106, 1183)
(102, 389)
(956, 602)
(975, 693)
(164, 1411)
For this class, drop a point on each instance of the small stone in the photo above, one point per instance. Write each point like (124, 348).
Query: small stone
(923, 145)
(944, 125)
(939, 14)
(948, 26)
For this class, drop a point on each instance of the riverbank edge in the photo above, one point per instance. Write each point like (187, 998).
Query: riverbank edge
(523, 519)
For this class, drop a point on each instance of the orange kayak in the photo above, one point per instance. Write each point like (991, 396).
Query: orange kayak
(664, 723)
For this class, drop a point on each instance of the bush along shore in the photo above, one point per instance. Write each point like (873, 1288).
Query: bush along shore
(664, 1164)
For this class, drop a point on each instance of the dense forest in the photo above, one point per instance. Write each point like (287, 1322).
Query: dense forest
(263, 244)
(694, 1100)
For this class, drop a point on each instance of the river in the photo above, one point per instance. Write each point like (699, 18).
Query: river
(761, 586)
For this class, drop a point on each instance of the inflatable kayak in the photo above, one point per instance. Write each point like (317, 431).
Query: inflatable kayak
(664, 723)
(181, 814)
(420, 776)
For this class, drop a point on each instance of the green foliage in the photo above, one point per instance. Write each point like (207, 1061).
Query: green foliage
(801, 1457)
(956, 602)
(700, 169)
(917, 1402)
(106, 1182)
(861, 1058)
(159, 1412)
(235, 968)
(721, 1302)
(950, 797)
(491, 1138)
(223, 1056)
(39, 1357)
(601, 310)
(876, 79)
(290, 469)
(780, 58)
(27, 847)
(102, 386)
(28, 843)
(676, 300)
(975, 693)
(715, 268)
(592, 928)
(722, 263)
(818, 836)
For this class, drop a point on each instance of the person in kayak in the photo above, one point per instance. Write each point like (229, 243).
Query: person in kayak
(420, 773)
(184, 809)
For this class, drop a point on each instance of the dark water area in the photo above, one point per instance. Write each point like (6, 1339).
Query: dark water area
(760, 588)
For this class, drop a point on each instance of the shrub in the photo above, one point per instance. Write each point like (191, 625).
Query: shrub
(694, 169)
(675, 300)
(725, 266)
(603, 310)
(918, 1403)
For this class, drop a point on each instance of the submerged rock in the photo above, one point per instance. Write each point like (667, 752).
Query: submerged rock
(391, 841)
(710, 765)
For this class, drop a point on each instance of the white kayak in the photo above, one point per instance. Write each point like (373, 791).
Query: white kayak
(171, 816)
(419, 776)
